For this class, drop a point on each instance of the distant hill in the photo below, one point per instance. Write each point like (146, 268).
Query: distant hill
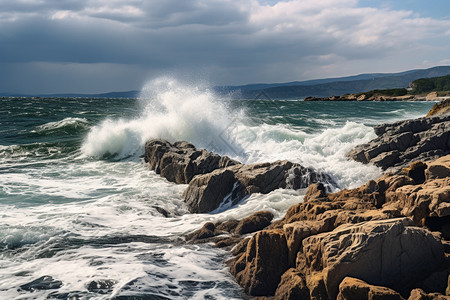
(335, 86)
(434, 84)
(300, 89)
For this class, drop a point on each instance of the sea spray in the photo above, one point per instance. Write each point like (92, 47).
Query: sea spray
(176, 111)
(171, 110)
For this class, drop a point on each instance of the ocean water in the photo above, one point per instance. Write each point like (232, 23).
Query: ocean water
(79, 208)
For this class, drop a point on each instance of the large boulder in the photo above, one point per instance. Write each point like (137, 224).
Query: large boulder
(292, 286)
(402, 142)
(181, 161)
(259, 269)
(389, 253)
(353, 288)
(228, 186)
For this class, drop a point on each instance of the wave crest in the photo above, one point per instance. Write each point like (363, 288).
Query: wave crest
(171, 110)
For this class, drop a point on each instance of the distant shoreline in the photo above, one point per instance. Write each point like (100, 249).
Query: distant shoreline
(380, 98)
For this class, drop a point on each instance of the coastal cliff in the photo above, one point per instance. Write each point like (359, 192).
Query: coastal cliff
(388, 239)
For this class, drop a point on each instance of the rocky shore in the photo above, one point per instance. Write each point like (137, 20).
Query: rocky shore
(377, 97)
(215, 181)
(388, 239)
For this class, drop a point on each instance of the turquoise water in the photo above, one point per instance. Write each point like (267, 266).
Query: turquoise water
(78, 205)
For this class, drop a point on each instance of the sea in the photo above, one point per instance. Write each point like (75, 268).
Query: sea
(80, 211)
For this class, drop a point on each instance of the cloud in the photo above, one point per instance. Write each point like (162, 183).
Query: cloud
(234, 41)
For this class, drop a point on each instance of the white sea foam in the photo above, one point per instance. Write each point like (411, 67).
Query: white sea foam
(175, 111)
(170, 110)
(65, 123)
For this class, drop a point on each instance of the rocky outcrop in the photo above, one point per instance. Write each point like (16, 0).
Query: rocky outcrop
(181, 161)
(258, 270)
(226, 187)
(216, 180)
(440, 109)
(220, 232)
(389, 253)
(419, 294)
(370, 233)
(364, 97)
(402, 142)
(352, 288)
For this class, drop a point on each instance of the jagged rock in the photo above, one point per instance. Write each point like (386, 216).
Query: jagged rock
(447, 291)
(315, 191)
(431, 199)
(209, 231)
(388, 253)
(230, 185)
(439, 168)
(297, 231)
(416, 171)
(259, 269)
(103, 286)
(215, 180)
(292, 286)
(402, 142)
(419, 294)
(240, 247)
(360, 233)
(255, 222)
(42, 283)
(206, 192)
(205, 232)
(440, 108)
(181, 161)
(353, 288)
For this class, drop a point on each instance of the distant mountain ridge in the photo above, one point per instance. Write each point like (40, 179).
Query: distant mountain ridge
(326, 87)
(335, 86)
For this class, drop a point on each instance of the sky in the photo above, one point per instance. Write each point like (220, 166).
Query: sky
(94, 46)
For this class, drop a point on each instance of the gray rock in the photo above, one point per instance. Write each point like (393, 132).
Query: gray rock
(401, 143)
(216, 180)
(228, 186)
(181, 161)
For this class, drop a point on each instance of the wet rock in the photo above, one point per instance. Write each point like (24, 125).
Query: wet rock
(259, 269)
(228, 186)
(181, 161)
(206, 192)
(388, 253)
(206, 231)
(162, 211)
(352, 288)
(102, 286)
(419, 294)
(403, 142)
(240, 247)
(255, 222)
(42, 283)
(292, 286)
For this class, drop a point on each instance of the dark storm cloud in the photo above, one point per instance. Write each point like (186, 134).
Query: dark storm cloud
(236, 41)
